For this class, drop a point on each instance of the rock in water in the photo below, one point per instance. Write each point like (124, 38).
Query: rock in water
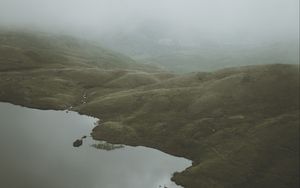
(77, 143)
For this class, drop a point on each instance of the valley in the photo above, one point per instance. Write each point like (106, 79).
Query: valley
(239, 125)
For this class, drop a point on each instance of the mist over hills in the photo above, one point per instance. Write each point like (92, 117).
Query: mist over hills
(37, 49)
(181, 36)
(239, 125)
(156, 45)
(216, 82)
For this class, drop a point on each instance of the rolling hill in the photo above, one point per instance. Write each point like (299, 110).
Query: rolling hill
(42, 50)
(239, 126)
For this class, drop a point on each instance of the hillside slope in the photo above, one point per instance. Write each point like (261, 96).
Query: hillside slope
(240, 126)
(40, 50)
(58, 70)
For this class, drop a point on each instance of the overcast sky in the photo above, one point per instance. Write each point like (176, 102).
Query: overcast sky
(257, 18)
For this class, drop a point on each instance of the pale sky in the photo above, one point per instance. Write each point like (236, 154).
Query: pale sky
(257, 18)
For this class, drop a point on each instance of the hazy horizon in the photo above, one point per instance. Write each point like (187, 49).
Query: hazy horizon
(247, 20)
(178, 35)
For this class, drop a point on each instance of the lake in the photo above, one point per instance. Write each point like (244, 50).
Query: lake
(37, 152)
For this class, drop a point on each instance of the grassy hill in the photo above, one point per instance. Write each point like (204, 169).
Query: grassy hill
(41, 50)
(240, 126)
(65, 66)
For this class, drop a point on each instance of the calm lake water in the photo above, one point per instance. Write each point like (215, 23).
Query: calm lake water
(37, 152)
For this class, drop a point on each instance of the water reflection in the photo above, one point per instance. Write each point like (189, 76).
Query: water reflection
(107, 146)
(36, 151)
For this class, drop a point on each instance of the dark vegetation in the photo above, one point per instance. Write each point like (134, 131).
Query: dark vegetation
(240, 126)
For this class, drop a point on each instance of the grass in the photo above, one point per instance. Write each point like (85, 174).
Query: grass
(240, 126)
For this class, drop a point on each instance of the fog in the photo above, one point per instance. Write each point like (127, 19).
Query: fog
(179, 35)
(250, 19)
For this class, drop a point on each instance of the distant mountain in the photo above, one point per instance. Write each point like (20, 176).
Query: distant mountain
(209, 58)
(156, 45)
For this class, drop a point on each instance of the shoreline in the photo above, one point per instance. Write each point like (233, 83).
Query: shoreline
(227, 122)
